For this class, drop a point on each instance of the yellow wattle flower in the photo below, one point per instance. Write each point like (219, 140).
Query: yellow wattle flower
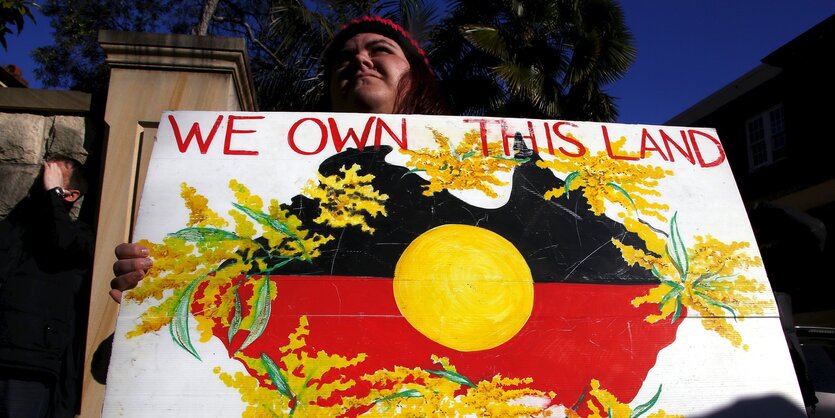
(347, 200)
(713, 286)
(605, 181)
(463, 168)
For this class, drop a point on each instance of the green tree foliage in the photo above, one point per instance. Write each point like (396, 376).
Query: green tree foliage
(285, 37)
(13, 14)
(75, 59)
(533, 58)
(287, 78)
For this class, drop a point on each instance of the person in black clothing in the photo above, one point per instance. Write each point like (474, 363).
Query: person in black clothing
(45, 259)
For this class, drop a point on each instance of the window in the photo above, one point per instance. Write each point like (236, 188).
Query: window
(767, 140)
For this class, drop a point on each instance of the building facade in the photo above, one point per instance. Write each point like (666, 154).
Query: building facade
(774, 123)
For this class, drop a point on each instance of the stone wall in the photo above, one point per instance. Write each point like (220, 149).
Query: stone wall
(35, 124)
(25, 140)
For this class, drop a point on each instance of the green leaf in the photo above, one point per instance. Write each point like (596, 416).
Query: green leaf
(677, 289)
(518, 160)
(414, 170)
(486, 39)
(275, 375)
(467, 154)
(204, 234)
(408, 393)
(672, 284)
(261, 310)
(452, 151)
(716, 303)
(656, 273)
(623, 191)
(702, 278)
(284, 260)
(179, 322)
(264, 219)
(679, 308)
(521, 79)
(452, 376)
(235, 324)
(676, 250)
(706, 281)
(644, 408)
(568, 180)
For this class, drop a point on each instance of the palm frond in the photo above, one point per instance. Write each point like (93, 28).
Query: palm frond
(487, 39)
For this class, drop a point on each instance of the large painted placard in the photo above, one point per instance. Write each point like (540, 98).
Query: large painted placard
(383, 265)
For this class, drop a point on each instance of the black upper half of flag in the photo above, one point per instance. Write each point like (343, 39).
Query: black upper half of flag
(560, 239)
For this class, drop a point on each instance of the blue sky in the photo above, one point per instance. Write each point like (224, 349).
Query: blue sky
(687, 49)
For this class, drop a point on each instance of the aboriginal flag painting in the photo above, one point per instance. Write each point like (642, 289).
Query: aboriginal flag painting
(347, 265)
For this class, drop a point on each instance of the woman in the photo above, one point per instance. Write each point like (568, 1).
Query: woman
(372, 65)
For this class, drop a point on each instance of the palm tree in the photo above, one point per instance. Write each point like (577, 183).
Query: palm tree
(529, 58)
(532, 58)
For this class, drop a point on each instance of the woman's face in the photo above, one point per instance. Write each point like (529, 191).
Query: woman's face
(366, 73)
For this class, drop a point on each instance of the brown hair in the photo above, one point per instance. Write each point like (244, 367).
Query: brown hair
(77, 180)
(418, 92)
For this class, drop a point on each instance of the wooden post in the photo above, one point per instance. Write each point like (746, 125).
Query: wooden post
(150, 73)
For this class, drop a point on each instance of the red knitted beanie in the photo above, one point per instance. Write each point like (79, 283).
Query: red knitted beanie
(378, 25)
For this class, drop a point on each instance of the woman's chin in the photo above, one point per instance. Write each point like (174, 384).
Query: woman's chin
(360, 100)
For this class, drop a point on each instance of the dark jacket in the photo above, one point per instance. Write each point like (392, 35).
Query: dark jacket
(45, 259)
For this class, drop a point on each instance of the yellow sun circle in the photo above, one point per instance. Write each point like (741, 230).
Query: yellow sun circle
(464, 287)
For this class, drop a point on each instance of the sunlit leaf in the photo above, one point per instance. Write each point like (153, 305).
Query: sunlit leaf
(452, 376)
(235, 324)
(674, 293)
(522, 80)
(716, 303)
(518, 160)
(702, 278)
(264, 219)
(468, 154)
(487, 39)
(179, 322)
(408, 393)
(414, 170)
(706, 281)
(679, 308)
(204, 234)
(644, 408)
(568, 180)
(261, 310)
(275, 375)
(655, 272)
(284, 260)
(622, 191)
(677, 250)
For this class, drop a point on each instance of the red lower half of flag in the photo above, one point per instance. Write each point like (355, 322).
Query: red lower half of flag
(575, 333)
